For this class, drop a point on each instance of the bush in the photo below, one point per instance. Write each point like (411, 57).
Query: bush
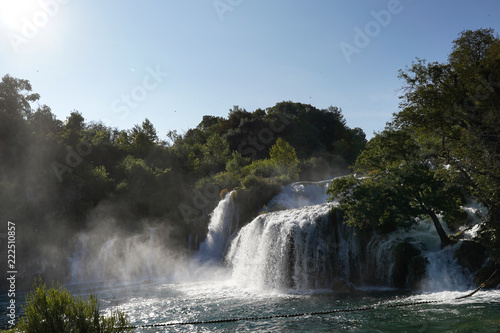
(262, 168)
(56, 310)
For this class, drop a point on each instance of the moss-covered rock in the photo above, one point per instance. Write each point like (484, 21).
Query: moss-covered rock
(251, 199)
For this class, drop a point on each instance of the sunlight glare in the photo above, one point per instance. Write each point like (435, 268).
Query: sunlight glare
(13, 11)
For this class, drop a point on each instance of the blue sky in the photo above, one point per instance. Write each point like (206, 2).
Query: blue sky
(174, 61)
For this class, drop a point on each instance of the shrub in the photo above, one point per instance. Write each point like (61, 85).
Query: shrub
(262, 168)
(56, 310)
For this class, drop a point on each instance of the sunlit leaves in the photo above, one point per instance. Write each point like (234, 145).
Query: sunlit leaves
(56, 310)
(395, 183)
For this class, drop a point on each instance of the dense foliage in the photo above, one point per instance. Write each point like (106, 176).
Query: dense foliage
(54, 174)
(55, 310)
(442, 147)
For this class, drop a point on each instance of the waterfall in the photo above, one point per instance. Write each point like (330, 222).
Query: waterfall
(302, 248)
(442, 270)
(219, 231)
(444, 273)
(300, 194)
(302, 244)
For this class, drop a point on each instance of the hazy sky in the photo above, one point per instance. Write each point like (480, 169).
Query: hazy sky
(174, 61)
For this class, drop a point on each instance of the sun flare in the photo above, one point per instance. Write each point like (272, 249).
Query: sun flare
(12, 12)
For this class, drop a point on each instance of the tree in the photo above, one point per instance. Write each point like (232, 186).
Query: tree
(44, 124)
(209, 122)
(397, 184)
(143, 138)
(454, 110)
(72, 131)
(283, 153)
(470, 50)
(284, 156)
(16, 96)
(236, 163)
(216, 153)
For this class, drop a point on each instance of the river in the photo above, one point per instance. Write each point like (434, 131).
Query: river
(167, 303)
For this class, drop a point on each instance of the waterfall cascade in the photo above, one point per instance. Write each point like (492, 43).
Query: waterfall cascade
(304, 245)
(301, 243)
(220, 230)
(300, 194)
(294, 248)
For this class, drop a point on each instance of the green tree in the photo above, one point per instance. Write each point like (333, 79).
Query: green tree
(283, 153)
(396, 184)
(16, 96)
(236, 163)
(72, 132)
(284, 156)
(43, 124)
(216, 153)
(143, 138)
(454, 109)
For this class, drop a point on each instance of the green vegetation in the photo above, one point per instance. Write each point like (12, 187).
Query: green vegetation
(56, 311)
(442, 147)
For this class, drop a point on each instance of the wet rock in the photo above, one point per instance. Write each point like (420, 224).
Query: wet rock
(417, 270)
(489, 274)
(342, 286)
(471, 255)
(403, 254)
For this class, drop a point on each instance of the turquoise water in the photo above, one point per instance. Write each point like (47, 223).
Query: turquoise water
(160, 302)
(157, 303)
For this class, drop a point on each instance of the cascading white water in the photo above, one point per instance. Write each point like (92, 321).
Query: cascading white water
(219, 231)
(300, 194)
(300, 245)
(296, 248)
(444, 273)
(304, 248)
(442, 270)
